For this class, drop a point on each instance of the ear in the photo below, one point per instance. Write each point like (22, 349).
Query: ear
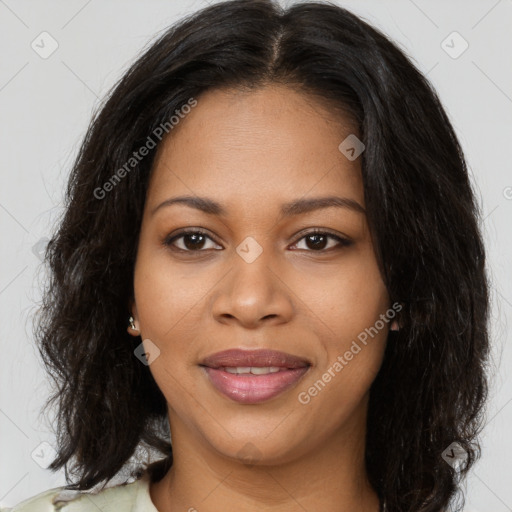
(132, 308)
(396, 324)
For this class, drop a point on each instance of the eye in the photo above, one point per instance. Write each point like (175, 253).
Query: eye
(191, 240)
(317, 239)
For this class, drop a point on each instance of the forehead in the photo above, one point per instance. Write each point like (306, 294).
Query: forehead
(273, 142)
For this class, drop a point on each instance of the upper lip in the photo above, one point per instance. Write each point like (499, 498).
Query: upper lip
(254, 358)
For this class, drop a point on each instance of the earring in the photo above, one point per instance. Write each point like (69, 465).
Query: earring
(394, 326)
(132, 325)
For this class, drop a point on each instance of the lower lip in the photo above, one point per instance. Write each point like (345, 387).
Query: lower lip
(252, 389)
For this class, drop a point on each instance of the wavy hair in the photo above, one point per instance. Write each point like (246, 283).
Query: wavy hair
(423, 215)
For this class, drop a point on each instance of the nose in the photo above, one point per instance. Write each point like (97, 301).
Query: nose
(253, 293)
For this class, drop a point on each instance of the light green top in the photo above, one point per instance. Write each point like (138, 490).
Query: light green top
(132, 497)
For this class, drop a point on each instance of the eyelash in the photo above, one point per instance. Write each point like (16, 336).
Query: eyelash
(342, 242)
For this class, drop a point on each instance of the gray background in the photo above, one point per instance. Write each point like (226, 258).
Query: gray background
(46, 104)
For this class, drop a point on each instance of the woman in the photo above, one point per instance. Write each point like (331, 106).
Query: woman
(271, 256)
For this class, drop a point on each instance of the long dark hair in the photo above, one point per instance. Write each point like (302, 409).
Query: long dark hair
(422, 212)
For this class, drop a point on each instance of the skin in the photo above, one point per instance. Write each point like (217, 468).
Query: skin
(252, 152)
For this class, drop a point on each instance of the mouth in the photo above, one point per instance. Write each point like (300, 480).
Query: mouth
(253, 376)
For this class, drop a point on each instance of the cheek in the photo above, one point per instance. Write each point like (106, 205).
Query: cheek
(345, 298)
(165, 294)
(168, 308)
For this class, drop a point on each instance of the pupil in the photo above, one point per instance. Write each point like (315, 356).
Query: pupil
(193, 245)
(316, 238)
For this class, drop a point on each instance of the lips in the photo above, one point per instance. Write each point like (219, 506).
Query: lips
(257, 358)
(253, 376)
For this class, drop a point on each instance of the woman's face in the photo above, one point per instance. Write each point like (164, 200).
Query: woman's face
(258, 279)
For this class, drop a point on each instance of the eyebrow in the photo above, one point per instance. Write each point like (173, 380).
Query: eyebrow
(296, 207)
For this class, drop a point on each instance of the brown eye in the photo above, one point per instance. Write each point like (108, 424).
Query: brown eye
(190, 241)
(317, 241)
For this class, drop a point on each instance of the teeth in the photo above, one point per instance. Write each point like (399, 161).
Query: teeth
(263, 371)
(252, 369)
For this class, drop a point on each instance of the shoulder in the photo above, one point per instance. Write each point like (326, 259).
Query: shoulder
(129, 497)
